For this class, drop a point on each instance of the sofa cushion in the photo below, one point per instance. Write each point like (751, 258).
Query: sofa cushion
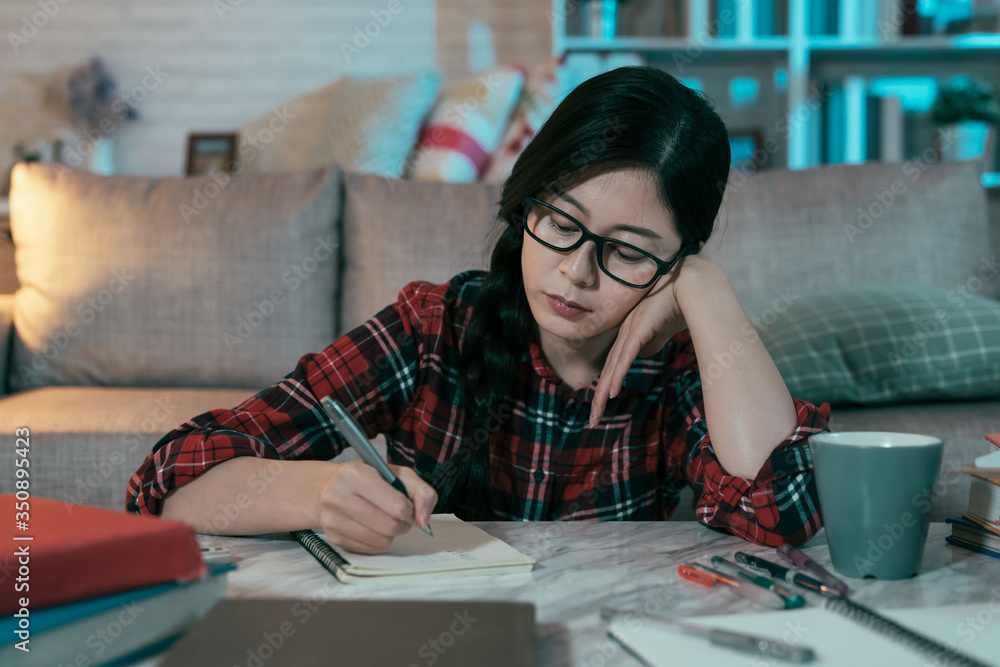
(905, 224)
(363, 125)
(884, 344)
(398, 231)
(87, 441)
(170, 282)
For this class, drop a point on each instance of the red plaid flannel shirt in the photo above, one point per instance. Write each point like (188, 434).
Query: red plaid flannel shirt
(398, 374)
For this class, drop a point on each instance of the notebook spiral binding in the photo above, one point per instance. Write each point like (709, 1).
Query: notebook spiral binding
(936, 651)
(315, 545)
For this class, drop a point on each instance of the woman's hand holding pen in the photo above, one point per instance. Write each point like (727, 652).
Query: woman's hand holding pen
(361, 512)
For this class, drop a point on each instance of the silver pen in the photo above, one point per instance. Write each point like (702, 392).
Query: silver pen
(356, 438)
(738, 641)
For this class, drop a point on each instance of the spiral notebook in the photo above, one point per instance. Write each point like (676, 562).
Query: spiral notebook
(458, 549)
(845, 636)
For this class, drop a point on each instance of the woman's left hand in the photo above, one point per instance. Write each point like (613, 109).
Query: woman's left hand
(652, 322)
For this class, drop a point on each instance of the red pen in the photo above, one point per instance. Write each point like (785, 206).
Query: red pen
(707, 576)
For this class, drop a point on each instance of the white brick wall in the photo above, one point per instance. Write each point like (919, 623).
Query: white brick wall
(219, 68)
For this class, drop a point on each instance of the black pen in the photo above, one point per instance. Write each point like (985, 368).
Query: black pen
(355, 437)
(789, 598)
(781, 572)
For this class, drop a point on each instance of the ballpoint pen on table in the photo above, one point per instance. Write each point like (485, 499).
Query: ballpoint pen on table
(707, 576)
(797, 557)
(761, 646)
(791, 599)
(781, 572)
(355, 437)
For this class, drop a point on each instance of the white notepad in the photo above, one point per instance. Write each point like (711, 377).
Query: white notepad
(836, 640)
(457, 549)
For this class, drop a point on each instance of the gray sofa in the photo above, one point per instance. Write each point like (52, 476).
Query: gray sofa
(143, 302)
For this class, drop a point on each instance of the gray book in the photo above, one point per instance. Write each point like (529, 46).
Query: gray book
(302, 633)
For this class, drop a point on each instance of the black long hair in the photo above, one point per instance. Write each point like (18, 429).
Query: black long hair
(630, 117)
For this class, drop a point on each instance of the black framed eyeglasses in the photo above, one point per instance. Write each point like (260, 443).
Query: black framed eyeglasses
(626, 263)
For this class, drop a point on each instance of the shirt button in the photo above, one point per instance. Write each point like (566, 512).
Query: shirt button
(539, 475)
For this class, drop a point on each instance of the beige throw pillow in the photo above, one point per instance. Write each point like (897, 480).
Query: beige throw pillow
(363, 125)
(171, 282)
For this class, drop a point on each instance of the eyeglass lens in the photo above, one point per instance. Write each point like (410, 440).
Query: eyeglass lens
(619, 260)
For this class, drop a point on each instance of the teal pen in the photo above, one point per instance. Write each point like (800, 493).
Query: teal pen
(790, 599)
(707, 576)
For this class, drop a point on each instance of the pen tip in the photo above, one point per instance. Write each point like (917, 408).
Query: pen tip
(427, 529)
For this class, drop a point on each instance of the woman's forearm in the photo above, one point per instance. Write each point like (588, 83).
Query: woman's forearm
(248, 496)
(748, 409)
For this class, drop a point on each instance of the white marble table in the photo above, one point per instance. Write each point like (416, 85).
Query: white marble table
(584, 566)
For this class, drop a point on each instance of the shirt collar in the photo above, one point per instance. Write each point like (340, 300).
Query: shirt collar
(641, 377)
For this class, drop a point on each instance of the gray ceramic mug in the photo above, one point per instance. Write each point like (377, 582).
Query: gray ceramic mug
(875, 491)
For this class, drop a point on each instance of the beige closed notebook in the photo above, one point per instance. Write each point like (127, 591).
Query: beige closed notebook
(457, 549)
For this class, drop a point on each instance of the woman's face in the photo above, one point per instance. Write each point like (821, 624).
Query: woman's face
(571, 299)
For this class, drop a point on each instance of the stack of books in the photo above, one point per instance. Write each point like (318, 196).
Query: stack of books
(88, 586)
(978, 529)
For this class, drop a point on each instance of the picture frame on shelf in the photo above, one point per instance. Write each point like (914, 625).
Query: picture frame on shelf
(210, 152)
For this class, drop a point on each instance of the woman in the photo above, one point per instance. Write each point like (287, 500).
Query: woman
(563, 384)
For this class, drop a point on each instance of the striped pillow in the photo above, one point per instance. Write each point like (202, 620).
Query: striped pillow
(883, 344)
(465, 126)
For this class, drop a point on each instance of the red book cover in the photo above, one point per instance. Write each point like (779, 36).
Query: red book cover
(56, 552)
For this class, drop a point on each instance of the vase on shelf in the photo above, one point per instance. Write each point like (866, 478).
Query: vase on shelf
(965, 140)
(102, 157)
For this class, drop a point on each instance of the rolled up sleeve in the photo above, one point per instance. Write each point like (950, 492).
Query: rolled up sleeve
(780, 505)
(371, 371)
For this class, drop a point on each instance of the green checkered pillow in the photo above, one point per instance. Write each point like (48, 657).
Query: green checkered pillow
(880, 344)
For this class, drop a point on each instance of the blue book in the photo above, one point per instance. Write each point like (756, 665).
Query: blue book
(111, 628)
(969, 535)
